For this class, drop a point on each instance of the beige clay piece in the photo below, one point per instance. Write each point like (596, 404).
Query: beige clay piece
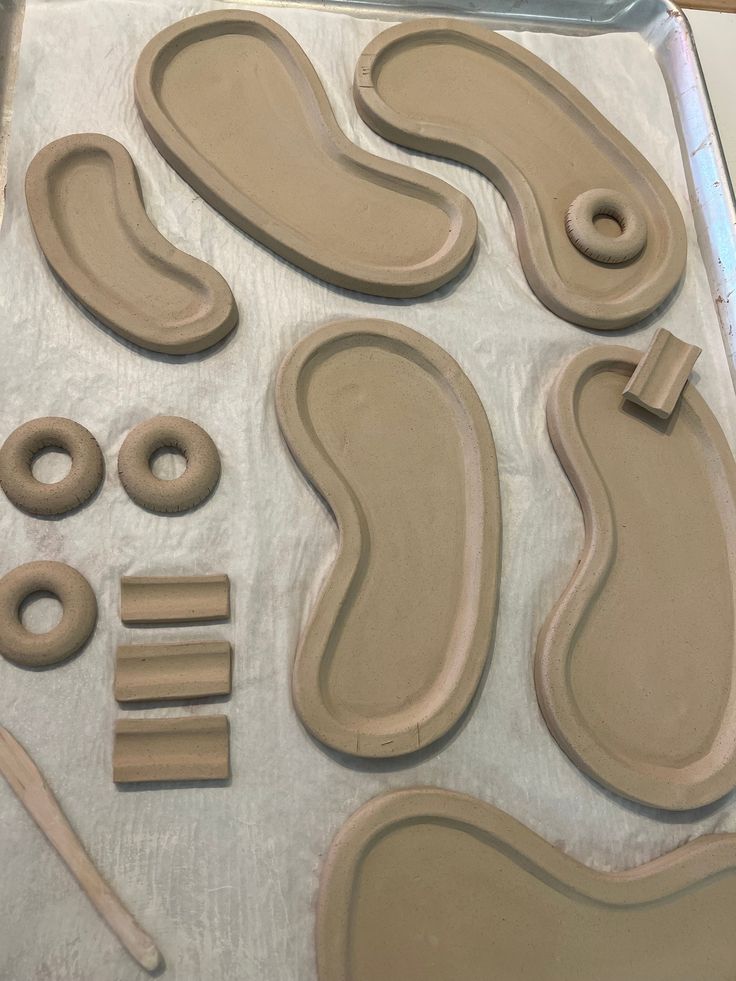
(174, 599)
(429, 885)
(391, 433)
(636, 664)
(600, 237)
(660, 376)
(259, 141)
(191, 748)
(145, 672)
(86, 207)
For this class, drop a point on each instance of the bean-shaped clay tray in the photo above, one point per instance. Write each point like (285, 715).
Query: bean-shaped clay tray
(635, 664)
(391, 433)
(448, 88)
(429, 885)
(258, 139)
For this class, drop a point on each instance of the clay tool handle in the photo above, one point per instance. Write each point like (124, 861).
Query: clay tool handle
(33, 792)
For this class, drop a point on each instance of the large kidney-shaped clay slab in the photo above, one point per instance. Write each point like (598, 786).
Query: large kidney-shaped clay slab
(635, 665)
(391, 433)
(236, 107)
(459, 91)
(429, 885)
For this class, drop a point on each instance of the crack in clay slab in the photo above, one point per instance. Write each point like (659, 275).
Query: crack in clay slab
(635, 664)
(86, 207)
(174, 599)
(448, 88)
(190, 748)
(430, 885)
(258, 139)
(391, 433)
(146, 672)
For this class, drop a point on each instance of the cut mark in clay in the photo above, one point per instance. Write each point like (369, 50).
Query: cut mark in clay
(86, 206)
(428, 885)
(174, 599)
(147, 672)
(601, 239)
(190, 748)
(636, 664)
(660, 376)
(259, 141)
(391, 433)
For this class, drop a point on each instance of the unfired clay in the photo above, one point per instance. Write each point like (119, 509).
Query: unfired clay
(146, 672)
(191, 748)
(428, 885)
(636, 664)
(660, 376)
(459, 91)
(392, 434)
(259, 141)
(86, 207)
(174, 599)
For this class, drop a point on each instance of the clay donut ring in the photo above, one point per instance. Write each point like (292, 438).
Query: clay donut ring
(586, 238)
(183, 492)
(35, 497)
(77, 620)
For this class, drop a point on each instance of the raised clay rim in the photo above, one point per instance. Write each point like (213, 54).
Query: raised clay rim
(260, 224)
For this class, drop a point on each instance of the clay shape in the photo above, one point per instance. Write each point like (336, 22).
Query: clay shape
(191, 748)
(174, 599)
(86, 206)
(28, 784)
(660, 376)
(635, 665)
(259, 141)
(184, 492)
(26, 442)
(145, 672)
(429, 885)
(78, 619)
(391, 433)
(601, 240)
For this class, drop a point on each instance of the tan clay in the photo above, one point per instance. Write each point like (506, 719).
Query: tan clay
(174, 599)
(191, 748)
(146, 672)
(635, 665)
(259, 141)
(601, 239)
(86, 207)
(428, 885)
(391, 433)
(660, 376)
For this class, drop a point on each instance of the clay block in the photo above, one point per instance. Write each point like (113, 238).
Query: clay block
(660, 376)
(146, 672)
(190, 748)
(174, 599)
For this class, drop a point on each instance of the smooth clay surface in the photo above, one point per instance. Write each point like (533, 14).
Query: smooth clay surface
(259, 141)
(660, 376)
(392, 434)
(86, 207)
(428, 885)
(448, 88)
(635, 665)
(164, 671)
(174, 599)
(190, 748)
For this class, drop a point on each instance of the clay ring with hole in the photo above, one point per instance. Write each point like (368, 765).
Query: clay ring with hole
(73, 630)
(34, 496)
(603, 203)
(182, 493)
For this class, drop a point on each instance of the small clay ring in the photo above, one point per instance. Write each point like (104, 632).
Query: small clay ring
(34, 496)
(183, 492)
(73, 630)
(598, 203)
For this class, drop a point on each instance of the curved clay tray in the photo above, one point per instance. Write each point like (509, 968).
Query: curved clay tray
(462, 92)
(635, 665)
(428, 885)
(86, 207)
(259, 141)
(391, 433)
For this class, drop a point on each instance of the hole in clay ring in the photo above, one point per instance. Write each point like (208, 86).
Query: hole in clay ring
(183, 492)
(32, 495)
(78, 618)
(601, 202)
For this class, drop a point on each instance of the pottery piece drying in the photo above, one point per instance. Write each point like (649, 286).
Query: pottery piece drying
(174, 599)
(429, 885)
(184, 492)
(259, 141)
(601, 240)
(28, 784)
(191, 748)
(635, 665)
(78, 619)
(145, 672)
(86, 206)
(660, 376)
(391, 433)
(41, 499)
